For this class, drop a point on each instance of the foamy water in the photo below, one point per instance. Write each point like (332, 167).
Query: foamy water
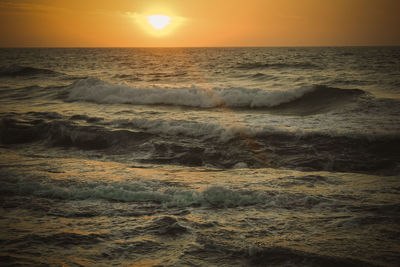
(201, 156)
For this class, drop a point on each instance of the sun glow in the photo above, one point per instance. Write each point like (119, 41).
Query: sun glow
(158, 21)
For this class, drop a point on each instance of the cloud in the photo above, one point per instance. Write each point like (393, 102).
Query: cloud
(30, 6)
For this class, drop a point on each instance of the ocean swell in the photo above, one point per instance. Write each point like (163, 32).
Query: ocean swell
(278, 65)
(202, 144)
(17, 70)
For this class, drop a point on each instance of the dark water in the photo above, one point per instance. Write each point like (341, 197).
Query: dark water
(200, 156)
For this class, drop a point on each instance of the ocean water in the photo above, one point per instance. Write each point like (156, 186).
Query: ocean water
(200, 156)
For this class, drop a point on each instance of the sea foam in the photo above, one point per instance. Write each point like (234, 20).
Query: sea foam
(213, 196)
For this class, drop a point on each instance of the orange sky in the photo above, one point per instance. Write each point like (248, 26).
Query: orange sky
(111, 23)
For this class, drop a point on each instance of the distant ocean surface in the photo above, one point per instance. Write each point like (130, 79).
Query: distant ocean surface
(200, 156)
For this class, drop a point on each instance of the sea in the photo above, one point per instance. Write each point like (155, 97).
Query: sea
(253, 156)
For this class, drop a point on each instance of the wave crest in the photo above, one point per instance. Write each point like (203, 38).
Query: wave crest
(98, 91)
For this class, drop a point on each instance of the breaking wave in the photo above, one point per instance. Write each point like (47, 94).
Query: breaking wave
(98, 91)
(215, 196)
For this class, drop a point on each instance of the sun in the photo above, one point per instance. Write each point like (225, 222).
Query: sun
(158, 22)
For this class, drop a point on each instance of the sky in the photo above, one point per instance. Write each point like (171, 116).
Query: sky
(198, 23)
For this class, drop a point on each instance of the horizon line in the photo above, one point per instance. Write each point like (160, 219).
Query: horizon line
(270, 46)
